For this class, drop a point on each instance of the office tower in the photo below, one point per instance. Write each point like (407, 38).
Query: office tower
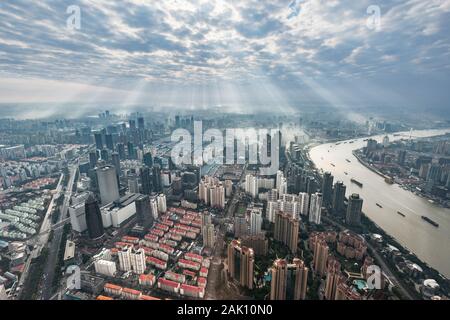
(93, 218)
(240, 226)
(93, 159)
(109, 142)
(401, 157)
(338, 197)
(143, 211)
(251, 185)
(132, 124)
(108, 184)
(98, 140)
(148, 159)
(133, 185)
(121, 151)
(353, 217)
(141, 123)
(115, 160)
(104, 155)
(240, 264)
(131, 151)
(138, 261)
(315, 210)
(162, 203)
(320, 255)
(334, 278)
(156, 172)
(289, 280)
(286, 230)
(304, 203)
(77, 213)
(255, 221)
(327, 188)
(146, 181)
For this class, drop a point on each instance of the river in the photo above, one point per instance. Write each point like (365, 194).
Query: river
(430, 244)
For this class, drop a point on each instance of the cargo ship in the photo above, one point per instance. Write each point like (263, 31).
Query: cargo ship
(402, 214)
(434, 224)
(347, 160)
(333, 164)
(359, 184)
(379, 205)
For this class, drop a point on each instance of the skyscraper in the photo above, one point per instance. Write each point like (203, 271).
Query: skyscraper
(115, 160)
(93, 159)
(108, 184)
(338, 197)
(315, 210)
(148, 159)
(98, 137)
(327, 188)
(143, 211)
(240, 264)
(93, 218)
(146, 180)
(334, 278)
(286, 230)
(353, 217)
(320, 248)
(289, 280)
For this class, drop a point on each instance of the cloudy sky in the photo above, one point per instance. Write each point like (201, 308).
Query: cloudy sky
(202, 53)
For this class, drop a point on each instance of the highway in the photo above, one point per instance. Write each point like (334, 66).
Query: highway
(47, 283)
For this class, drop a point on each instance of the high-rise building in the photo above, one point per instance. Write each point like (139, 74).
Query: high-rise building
(138, 261)
(304, 203)
(154, 207)
(107, 184)
(334, 278)
(93, 158)
(327, 188)
(144, 212)
(211, 192)
(251, 185)
(320, 255)
(125, 259)
(162, 203)
(133, 184)
(354, 208)
(94, 221)
(156, 172)
(109, 142)
(146, 180)
(240, 226)
(286, 230)
(289, 280)
(255, 221)
(98, 137)
(338, 197)
(315, 211)
(241, 264)
(115, 160)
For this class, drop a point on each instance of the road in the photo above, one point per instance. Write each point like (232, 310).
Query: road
(42, 237)
(214, 291)
(380, 260)
(49, 269)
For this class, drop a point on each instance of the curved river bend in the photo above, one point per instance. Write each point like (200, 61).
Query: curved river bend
(430, 244)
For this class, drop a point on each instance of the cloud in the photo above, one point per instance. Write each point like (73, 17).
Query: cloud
(193, 44)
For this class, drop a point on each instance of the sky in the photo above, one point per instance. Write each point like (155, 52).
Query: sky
(232, 54)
